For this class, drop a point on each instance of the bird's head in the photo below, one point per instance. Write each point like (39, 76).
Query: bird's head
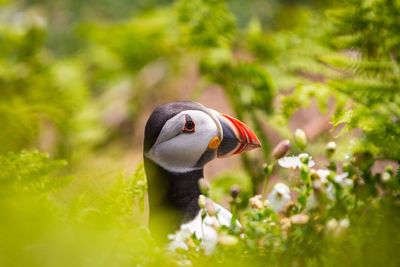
(184, 136)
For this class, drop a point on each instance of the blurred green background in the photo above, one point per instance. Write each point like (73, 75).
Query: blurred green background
(78, 80)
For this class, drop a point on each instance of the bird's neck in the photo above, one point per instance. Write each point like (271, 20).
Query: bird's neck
(173, 197)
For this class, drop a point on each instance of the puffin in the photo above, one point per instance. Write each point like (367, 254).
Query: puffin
(179, 139)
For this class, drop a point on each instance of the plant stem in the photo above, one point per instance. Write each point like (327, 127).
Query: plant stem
(267, 175)
(234, 215)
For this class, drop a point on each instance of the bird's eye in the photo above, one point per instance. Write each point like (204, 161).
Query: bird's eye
(189, 126)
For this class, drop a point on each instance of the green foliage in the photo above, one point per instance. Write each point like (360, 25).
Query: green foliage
(212, 29)
(372, 82)
(29, 91)
(221, 185)
(366, 90)
(206, 24)
(81, 230)
(140, 41)
(370, 26)
(41, 98)
(30, 172)
(292, 54)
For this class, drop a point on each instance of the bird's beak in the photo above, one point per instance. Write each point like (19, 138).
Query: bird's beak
(237, 137)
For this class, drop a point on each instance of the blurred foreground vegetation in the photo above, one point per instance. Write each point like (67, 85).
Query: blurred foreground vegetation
(77, 77)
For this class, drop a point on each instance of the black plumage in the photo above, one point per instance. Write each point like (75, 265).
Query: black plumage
(173, 198)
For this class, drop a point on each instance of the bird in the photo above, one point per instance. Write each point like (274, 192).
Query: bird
(179, 139)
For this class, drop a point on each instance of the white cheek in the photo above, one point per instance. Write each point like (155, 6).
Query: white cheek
(175, 155)
(181, 153)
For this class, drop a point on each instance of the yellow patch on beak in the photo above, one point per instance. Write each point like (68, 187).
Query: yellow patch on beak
(214, 143)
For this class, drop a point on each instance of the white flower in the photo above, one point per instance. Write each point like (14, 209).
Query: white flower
(279, 196)
(343, 180)
(337, 229)
(386, 177)
(178, 240)
(340, 179)
(294, 162)
(323, 174)
(330, 191)
(331, 225)
(345, 223)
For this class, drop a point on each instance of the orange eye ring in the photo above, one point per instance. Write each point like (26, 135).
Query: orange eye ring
(189, 127)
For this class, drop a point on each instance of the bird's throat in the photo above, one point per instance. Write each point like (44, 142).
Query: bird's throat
(173, 197)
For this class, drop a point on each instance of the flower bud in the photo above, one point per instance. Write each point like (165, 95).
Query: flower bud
(386, 177)
(228, 240)
(331, 225)
(256, 202)
(330, 149)
(281, 149)
(210, 208)
(267, 204)
(235, 191)
(204, 185)
(300, 138)
(267, 169)
(202, 201)
(304, 159)
(331, 146)
(299, 219)
(314, 175)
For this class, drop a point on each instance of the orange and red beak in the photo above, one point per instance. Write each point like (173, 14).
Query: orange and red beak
(237, 137)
